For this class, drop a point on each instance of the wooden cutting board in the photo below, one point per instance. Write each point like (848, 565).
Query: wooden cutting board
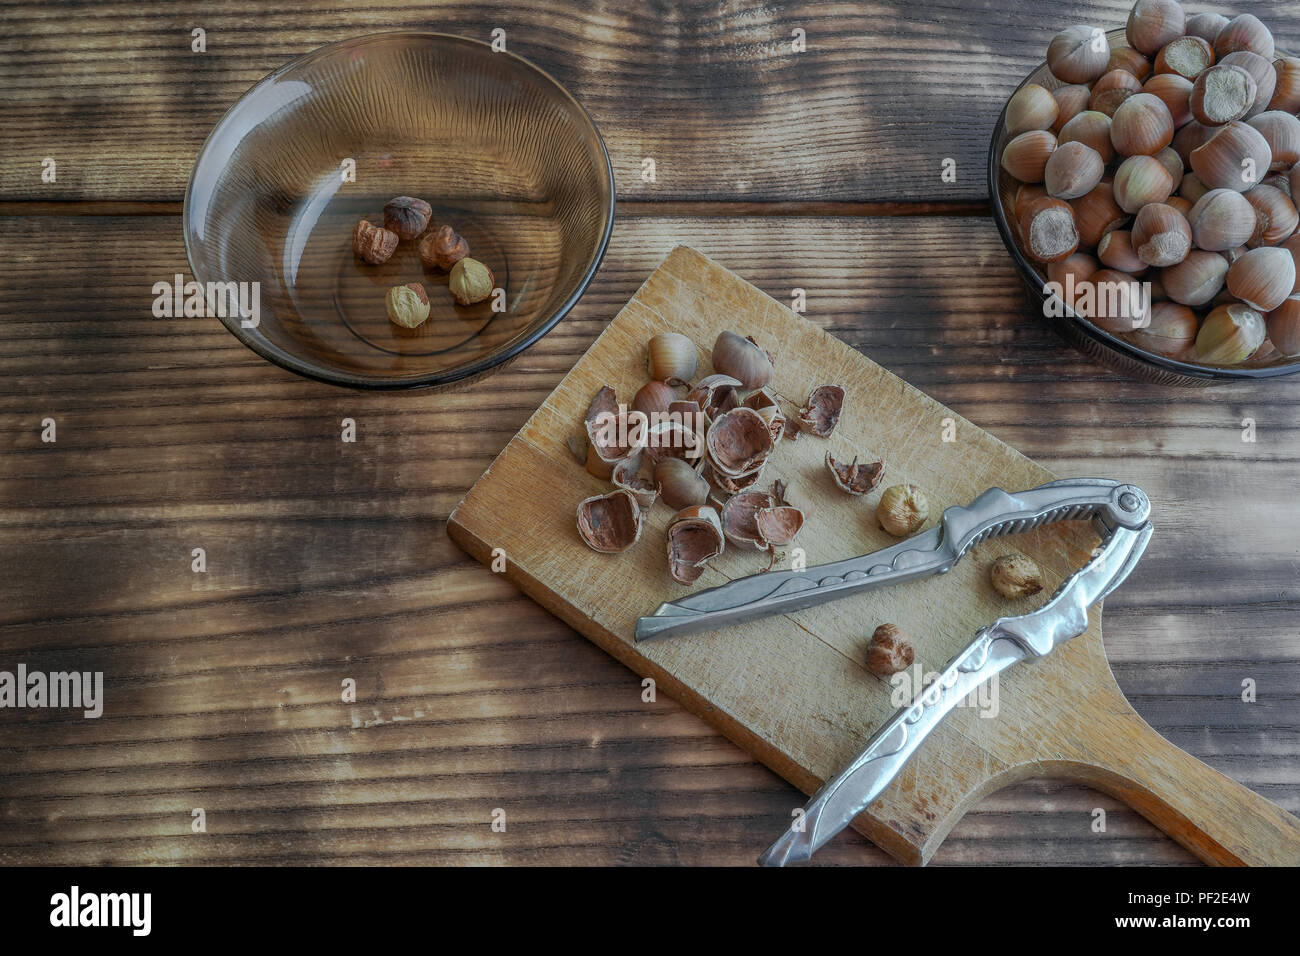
(793, 690)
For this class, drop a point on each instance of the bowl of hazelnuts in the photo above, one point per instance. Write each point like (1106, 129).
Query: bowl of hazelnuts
(1143, 181)
(399, 210)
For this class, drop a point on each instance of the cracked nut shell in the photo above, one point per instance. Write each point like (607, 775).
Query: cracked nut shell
(821, 413)
(854, 478)
(610, 523)
(694, 539)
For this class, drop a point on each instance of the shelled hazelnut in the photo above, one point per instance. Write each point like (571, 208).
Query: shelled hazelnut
(1169, 157)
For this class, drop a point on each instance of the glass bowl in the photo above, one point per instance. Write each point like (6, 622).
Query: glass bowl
(501, 152)
(1096, 343)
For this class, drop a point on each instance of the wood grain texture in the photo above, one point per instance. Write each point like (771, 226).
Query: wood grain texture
(884, 92)
(793, 689)
(329, 560)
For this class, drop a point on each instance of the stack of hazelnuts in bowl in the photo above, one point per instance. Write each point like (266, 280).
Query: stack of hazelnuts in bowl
(1156, 182)
(440, 247)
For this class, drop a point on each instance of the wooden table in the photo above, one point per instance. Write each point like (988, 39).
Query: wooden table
(326, 561)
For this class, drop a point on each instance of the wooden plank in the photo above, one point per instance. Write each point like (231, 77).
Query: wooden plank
(883, 94)
(172, 436)
(793, 688)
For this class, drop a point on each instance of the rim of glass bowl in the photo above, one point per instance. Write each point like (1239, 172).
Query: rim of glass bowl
(278, 356)
(1036, 280)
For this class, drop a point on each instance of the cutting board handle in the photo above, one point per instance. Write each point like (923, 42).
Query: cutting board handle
(1215, 817)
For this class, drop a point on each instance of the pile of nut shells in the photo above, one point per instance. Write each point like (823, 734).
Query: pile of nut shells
(1172, 160)
(442, 248)
(703, 446)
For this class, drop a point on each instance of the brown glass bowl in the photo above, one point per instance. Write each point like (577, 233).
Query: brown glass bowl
(502, 153)
(1099, 345)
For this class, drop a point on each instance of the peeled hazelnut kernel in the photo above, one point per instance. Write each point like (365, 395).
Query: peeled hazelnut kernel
(1153, 23)
(1016, 576)
(407, 305)
(1025, 157)
(1078, 54)
(373, 244)
(890, 652)
(470, 281)
(443, 248)
(1230, 335)
(902, 510)
(407, 216)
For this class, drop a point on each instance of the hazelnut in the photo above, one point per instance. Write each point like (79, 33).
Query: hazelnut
(902, 510)
(1140, 181)
(408, 305)
(1230, 335)
(1078, 54)
(1186, 56)
(1244, 33)
(470, 281)
(1221, 94)
(443, 248)
(407, 216)
(1109, 93)
(890, 652)
(1016, 576)
(1161, 236)
(1073, 99)
(1031, 107)
(1207, 26)
(1236, 156)
(1049, 230)
(1025, 157)
(1092, 129)
(1197, 279)
(1141, 125)
(1073, 170)
(1171, 331)
(373, 244)
(1153, 23)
